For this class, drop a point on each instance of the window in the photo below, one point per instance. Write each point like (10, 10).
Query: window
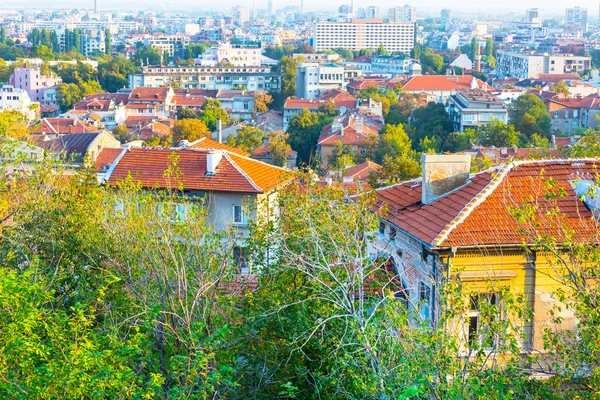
(242, 260)
(555, 114)
(392, 233)
(424, 292)
(238, 215)
(485, 309)
(382, 228)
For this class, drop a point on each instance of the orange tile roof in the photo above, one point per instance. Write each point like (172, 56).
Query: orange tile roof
(234, 173)
(106, 158)
(206, 143)
(149, 94)
(64, 125)
(349, 135)
(362, 171)
(478, 213)
(441, 82)
(188, 101)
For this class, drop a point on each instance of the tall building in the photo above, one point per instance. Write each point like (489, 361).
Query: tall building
(361, 34)
(512, 64)
(302, 10)
(373, 12)
(445, 17)
(533, 16)
(271, 7)
(576, 18)
(402, 14)
(241, 15)
(345, 10)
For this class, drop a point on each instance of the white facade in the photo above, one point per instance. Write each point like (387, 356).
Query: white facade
(402, 14)
(365, 34)
(576, 18)
(17, 100)
(530, 65)
(313, 79)
(393, 65)
(226, 53)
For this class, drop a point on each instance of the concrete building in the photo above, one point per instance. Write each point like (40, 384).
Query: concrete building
(18, 100)
(271, 7)
(576, 18)
(209, 78)
(32, 80)
(321, 58)
(471, 109)
(173, 45)
(313, 79)
(93, 42)
(226, 53)
(361, 34)
(241, 15)
(402, 14)
(445, 17)
(392, 65)
(373, 12)
(533, 17)
(510, 64)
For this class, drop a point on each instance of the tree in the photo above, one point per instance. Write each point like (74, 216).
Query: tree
(416, 53)
(67, 95)
(432, 121)
(262, 100)
(114, 74)
(212, 112)
(497, 134)
(387, 98)
(431, 61)
(107, 41)
(13, 125)
(474, 48)
(278, 147)
(190, 130)
(186, 112)
(122, 134)
(248, 138)
(538, 119)
(304, 130)
(489, 47)
(342, 157)
(560, 87)
(3, 35)
(381, 51)
(287, 68)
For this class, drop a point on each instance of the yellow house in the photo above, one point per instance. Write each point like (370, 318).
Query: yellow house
(479, 231)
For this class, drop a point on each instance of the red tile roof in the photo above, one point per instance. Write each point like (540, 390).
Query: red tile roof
(106, 158)
(158, 95)
(349, 135)
(558, 77)
(234, 173)
(188, 101)
(206, 143)
(361, 171)
(441, 82)
(479, 213)
(64, 126)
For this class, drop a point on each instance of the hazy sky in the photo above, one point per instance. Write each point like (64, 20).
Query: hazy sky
(547, 7)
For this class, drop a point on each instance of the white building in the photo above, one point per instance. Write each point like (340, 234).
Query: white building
(392, 65)
(576, 18)
(373, 12)
(17, 100)
(511, 64)
(313, 79)
(534, 17)
(361, 34)
(470, 109)
(241, 15)
(239, 56)
(402, 14)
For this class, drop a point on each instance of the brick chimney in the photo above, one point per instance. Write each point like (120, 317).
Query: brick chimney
(442, 174)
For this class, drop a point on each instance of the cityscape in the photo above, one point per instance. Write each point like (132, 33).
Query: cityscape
(299, 200)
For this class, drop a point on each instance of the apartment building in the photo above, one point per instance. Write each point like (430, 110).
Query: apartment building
(471, 109)
(17, 100)
(361, 34)
(511, 64)
(402, 14)
(174, 45)
(226, 53)
(32, 80)
(313, 79)
(393, 65)
(209, 78)
(576, 18)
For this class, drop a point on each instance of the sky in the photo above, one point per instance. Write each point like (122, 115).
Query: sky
(548, 7)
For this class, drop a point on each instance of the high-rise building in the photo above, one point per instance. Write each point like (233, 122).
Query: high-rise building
(533, 16)
(373, 12)
(576, 18)
(402, 14)
(271, 7)
(241, 15)
(445, 17)
(302, 10)
(361, 34)
(345, 10)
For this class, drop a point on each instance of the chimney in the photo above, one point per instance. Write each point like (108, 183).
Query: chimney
(442, 174)
(220, 130)
(213, 158)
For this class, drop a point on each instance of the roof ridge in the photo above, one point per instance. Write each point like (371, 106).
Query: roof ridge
(491, 187)
(241, 171)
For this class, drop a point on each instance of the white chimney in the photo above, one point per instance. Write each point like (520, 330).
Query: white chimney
(442, 174)
(220, 130)
(213, 158)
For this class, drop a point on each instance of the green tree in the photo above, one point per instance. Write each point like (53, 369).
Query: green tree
(67, 95)
(107, 41)
(489, 47)
(498, 134)
(287, 68)
(122, 134)
(278, 147)
(212, 112)
(560, 87)
(431, 61)
(538, 119)
(474, 48)
(186, 112)
(248, 138)
(190, 130)
(432, 121)
(342, 157)
(304, 130)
